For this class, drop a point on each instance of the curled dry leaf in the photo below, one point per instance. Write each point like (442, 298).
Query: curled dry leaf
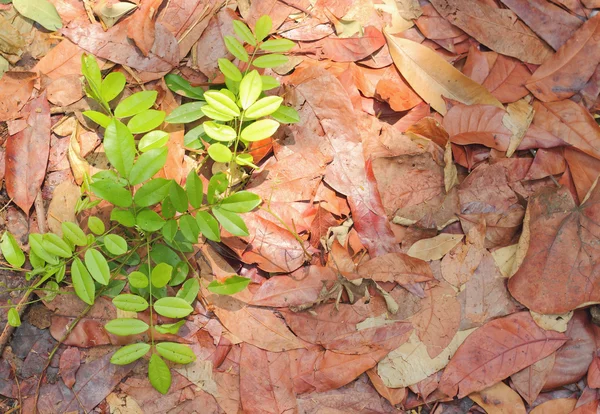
(499, 399)
(496, 350)
(436, 247)
(27, 155)
(498, 29)
(433, 78)
(559, 273)
(567, 72)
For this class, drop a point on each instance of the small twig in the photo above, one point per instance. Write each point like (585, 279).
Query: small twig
(40, 212)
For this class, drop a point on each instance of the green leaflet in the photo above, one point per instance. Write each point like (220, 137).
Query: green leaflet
(130, 353)
(159, 374)
(11, 250)
(41, 11)
(97, 266)
(231, 285)
(136, 103)
(126, 326)
(130, 303)
(175, 352)
(172, 307)
(82, 282)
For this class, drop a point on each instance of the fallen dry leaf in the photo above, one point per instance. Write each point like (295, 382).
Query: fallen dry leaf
(461, 262)
(15, 91)
(436, 247)
(556, 323)
(496, 350)
(433, 78)
(499, 399)
(396, 267)
(393, 395)
(557, 406)
(141, 26)
(529, 381)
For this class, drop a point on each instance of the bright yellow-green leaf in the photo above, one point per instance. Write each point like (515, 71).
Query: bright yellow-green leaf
(230, 70)
(236, 48)
(250, 89)
(130, 303)
(262, 28)
(98, 266)
(219, 132)
(175, 352)
(159, 374)
(222, 103)
(11, 251)
(82, 282)
(270, 61)
(260, 130)
(263, 107)
(41, 11)
(126, 326)
(219, 153)
(244, 32)
(130, 353)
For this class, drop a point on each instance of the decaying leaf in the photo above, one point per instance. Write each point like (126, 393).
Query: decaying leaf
(436, 247)
(499, 398)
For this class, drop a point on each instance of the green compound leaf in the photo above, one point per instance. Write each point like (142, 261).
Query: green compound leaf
(138, 280)
(148, 164)
(115, 244)
(161, 274)
(154, 191)
(14, 319)
(41, 11)
(186, 113)
(175, 352)
(189, 290)
(270, 61)
(236, 48)
(259, 130)
(230, 70)
(277, 45)
(136, 103)
(209, 226)
(220, 153)
(73, 233)
(222, 103)
(243, 31)
(126, 326)
(286, 115)
(219, 132)
(153, 140)
(241, 202)
(231, 222)
(194, 189)
(112, 85)
(11, 250)
(178, 197)
(146, 121)
(98, 117)
(98, 266)
(159, 374)
(169, 328)
(130, 353)
(182, 87)
(96, 225)
(149, 220)
(231, 285)
(172, 307)
(82, 282)
(112, 192)
(250, 89)
(262, 28)
(130, 303)
(263, 107)
(55, 245)
(119, 147)
(123, 217)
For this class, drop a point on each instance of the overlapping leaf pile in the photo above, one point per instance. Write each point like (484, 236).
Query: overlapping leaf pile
(430, 228)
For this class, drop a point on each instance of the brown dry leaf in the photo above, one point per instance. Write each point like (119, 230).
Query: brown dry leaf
(559, 272)
(459, 264)
(265, 382)
(393, 395)
(517, 119)
(257, 326)
(433, 78)
(62, 60)
(537, 13)
(529, 381)
(436, 247)
(15, 91)
(410, 363)
(354, 48)
(557, 406)
(499, 399)
(114, 45)
(396, 267)
(140, 27)
(27, 155)
(584, 170)
(210, 46)
(567, 72)
(505, 259)
(65, 90)
(70, 360)
(498, 29)
(62, 206)
(392, 89)
(450, 171)
(496, 350)
(297, 288)
(438, 319)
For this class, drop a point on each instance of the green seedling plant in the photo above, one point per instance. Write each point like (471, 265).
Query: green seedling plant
(140, 260)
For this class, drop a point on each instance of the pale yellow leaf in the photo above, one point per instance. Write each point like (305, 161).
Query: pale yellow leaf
(436, 247)
(499, 399)
(517, 119)
(556, 323)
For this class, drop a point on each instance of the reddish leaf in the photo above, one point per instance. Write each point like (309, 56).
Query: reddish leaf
(15, 91)
(353, 48)
(393, 395)
(413, 116)
(593, 376)
(297, 288)
(396, 267)
(63, 60)
(70, 360)
(559, 271)
(567, 72)
(115, 46)
(496, 350)
(439, 318)
(461, 262)
(27, 155)
(395, 91)
(507, 78)
(434, 26)
(530, 381)
(265, 383)
(140, 27)
(211, 45)
(537, 13)
(547, 162)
